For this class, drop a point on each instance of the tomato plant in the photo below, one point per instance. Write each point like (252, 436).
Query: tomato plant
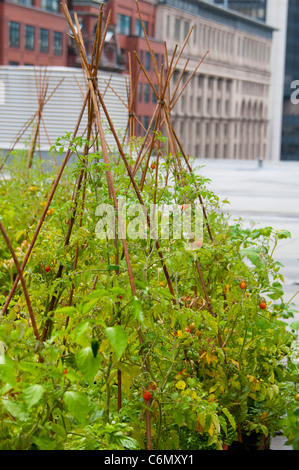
(210, 361)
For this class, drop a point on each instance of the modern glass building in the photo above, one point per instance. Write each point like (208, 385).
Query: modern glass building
(290, 120)
(255, 8)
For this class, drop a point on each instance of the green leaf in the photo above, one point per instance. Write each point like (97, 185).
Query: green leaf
(178, 418)
(97, 294)
(283, 234)
(129, 443)
(69, 311)
(118, 339)
(229, 417)
(137, 310)
(77, 404)
(295, 325)
(7, 372)
(113, 267)
(16, 409)
(87, 363)
(81, 333)
(32, 394)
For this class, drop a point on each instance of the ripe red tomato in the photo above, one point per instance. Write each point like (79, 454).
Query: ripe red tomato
(64, 372)
(146, 395)
(153, 166)
(243, 285)
(47, 269)
(187, 330)
(263, 305)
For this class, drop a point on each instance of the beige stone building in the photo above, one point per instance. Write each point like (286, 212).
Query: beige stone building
(224, 111)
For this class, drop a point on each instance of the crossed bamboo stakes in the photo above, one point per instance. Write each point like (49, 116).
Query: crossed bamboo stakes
(94, 104)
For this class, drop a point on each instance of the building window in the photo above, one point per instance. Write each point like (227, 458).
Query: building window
(167, 26)
(182, 128)
(183, 103)
(138, 28)
(177, 29)
(124, 24)
(207, 151)
(13, 63)
(147, 60)
(51, 5)
(186, 28)
(27, 3)
(146, 93)
(29, 37)
(225, 151)
(139, 92)
(154, 98)
(14, 34)
(209, 105)
(57, 43)
(227, 107)
(146, 122)
(198, 105)
(44, 40)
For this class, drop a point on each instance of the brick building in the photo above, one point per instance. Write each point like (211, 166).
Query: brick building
(32, 32)
(125, 35)
(131, 38)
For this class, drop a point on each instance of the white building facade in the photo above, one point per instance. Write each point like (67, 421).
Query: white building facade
(224, 111)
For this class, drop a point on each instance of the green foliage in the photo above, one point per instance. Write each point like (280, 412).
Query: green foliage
(233, 373)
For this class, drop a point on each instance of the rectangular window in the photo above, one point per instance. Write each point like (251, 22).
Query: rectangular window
(51, 5)
(145, 122)
(182, 128)
(138, 28)
(44, 40)
(139, 92)
(186, 28)
(146, 93)
(167, 26)
(209, 106)
(57, 43)
(157, 59)
(27, 3)
(124, 24)
(29, 37)
(177, 29)
(14, 34)
(141, 56)
(198, 105)
(147, 61)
